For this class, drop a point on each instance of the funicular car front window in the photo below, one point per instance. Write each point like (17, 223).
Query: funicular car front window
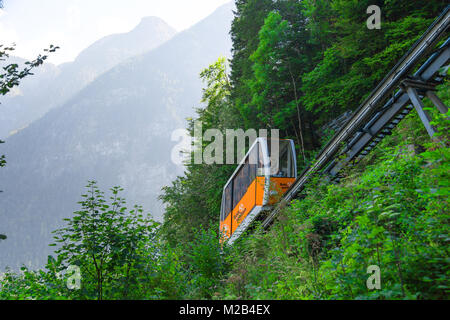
(285, 160)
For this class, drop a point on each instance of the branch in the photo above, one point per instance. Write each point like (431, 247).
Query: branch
(12, 75)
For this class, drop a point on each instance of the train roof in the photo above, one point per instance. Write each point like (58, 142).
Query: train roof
(247, 154)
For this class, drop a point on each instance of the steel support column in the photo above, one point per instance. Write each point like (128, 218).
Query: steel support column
(424, 116)
(437, 102)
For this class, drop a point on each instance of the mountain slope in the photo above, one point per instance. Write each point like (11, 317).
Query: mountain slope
(53, 85)
(117, 130)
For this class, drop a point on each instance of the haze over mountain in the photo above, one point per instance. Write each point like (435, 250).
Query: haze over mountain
(116, 130)
(52, 85)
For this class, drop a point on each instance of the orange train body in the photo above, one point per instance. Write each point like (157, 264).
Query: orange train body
(252, 198)
(260, 181)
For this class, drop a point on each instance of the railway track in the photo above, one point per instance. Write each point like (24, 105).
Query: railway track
(383, 110)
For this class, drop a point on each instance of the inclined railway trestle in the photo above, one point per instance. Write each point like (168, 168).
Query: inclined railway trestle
(383, 110)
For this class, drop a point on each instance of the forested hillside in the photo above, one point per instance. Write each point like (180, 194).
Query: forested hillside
(296, 66)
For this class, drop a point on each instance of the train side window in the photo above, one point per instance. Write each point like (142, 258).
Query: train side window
(238, 186)
(260, 160)
(227, 200)
(222, 208)
(242, 181)
(253, 162)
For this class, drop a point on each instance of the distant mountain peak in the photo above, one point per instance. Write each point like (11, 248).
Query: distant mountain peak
(152, 22)
(151, 19)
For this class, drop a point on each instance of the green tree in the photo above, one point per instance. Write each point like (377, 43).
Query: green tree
(195, 198)
(207, 262)
(267, 67)
(353, 59)
(278, 64)
(47, 284)
(13, 73)
(107, 241)
(248, 20)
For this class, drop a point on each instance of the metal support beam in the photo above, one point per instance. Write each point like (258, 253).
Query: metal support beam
(392, 112)
(437, 102)
(424, 116)
(364, 139)
(419, 84)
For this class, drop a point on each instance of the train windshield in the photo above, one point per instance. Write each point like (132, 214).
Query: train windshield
(283, 165)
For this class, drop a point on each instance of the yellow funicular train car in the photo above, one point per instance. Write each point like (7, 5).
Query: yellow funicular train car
(259, 181)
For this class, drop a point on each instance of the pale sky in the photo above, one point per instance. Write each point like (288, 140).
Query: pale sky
(74, 24)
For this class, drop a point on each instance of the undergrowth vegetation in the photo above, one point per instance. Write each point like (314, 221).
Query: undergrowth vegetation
(390, 211)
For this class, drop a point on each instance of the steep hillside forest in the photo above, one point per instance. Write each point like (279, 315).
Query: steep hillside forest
(296, 66)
